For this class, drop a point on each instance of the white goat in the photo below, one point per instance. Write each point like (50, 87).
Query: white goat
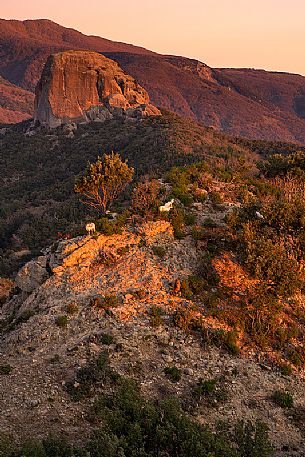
(111, 215)
(259, 215)
(167, 207)
(90, 227)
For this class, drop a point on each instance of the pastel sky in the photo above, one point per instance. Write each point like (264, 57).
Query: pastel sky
(267, 34)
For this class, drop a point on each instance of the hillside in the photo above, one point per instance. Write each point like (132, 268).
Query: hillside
(33, 168)
(98, 341)
(249, 103)
(16, 104)
(158, 326)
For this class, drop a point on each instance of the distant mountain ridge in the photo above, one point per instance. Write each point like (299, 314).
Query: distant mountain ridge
(242, 102)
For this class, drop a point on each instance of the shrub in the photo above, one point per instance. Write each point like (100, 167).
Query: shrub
(159, 251)
(123, 250)
(148, 428)
(106, 258)
(107, 302)
(72, 308)
(156, 316)
(173, 374)
(211, 391)
(189, 219)
(145, 197)
(177, 219)
(107, 227)
(208, 222)
(282, 398)
(215, 198)
(107, 339)
(89, 377)
(110, 301)
(140, 294)
(229, 341)
(185, 319)
(62, 321)
(193, 285)
(269, 261)
(285, 369)
(5, 370)
(196, 284)
(252, 439)
(186, 291)
(296, 355)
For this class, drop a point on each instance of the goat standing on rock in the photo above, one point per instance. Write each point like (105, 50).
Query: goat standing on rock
(90, 227)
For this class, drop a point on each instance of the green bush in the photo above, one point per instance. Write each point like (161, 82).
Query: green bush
(5, 370)
(156, 316)
(173, 374)
(109, 227)
(296, 355)
(230, 342)
(211, 391)
(72, 308)
(145, 197)
(285, 369)
(62, 321)
(107, 339)
(215, 198)
(105, 302)
(185, 289)
(159, 251)
(177, 218)
(269, 261)
(89, 377)
(282, 398)
(193, 285)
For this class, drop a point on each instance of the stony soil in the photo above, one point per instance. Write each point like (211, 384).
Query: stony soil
(44, 356)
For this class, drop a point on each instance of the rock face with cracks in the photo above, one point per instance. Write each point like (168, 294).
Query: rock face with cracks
(83, 86)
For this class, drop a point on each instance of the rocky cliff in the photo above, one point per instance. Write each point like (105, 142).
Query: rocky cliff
(82, 86)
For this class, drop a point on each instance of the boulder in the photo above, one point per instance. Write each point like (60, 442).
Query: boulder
(32, 274)
(83, 86)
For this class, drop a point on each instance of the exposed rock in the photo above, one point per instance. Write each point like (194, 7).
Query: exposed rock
(45, 356)
(83, 86)
(33, 274)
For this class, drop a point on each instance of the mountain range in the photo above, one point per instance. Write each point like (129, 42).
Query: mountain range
(241, 102)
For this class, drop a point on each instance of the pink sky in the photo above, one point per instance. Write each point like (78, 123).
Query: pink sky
(267, 34)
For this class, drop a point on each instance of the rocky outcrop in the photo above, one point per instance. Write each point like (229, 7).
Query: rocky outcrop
(32, 274)
(83, 86)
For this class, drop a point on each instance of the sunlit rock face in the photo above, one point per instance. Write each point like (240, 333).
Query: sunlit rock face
(84, 86)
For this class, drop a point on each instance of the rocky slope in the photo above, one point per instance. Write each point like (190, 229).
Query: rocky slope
(83, 86)
(249, 103)
(58, 322)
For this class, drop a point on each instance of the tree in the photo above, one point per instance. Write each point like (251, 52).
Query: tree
(103, 180)
(145, 196)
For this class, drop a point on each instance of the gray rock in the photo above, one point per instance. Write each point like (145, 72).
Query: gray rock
(32, 274)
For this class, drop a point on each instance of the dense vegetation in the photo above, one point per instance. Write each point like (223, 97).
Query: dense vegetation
(38, 173)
